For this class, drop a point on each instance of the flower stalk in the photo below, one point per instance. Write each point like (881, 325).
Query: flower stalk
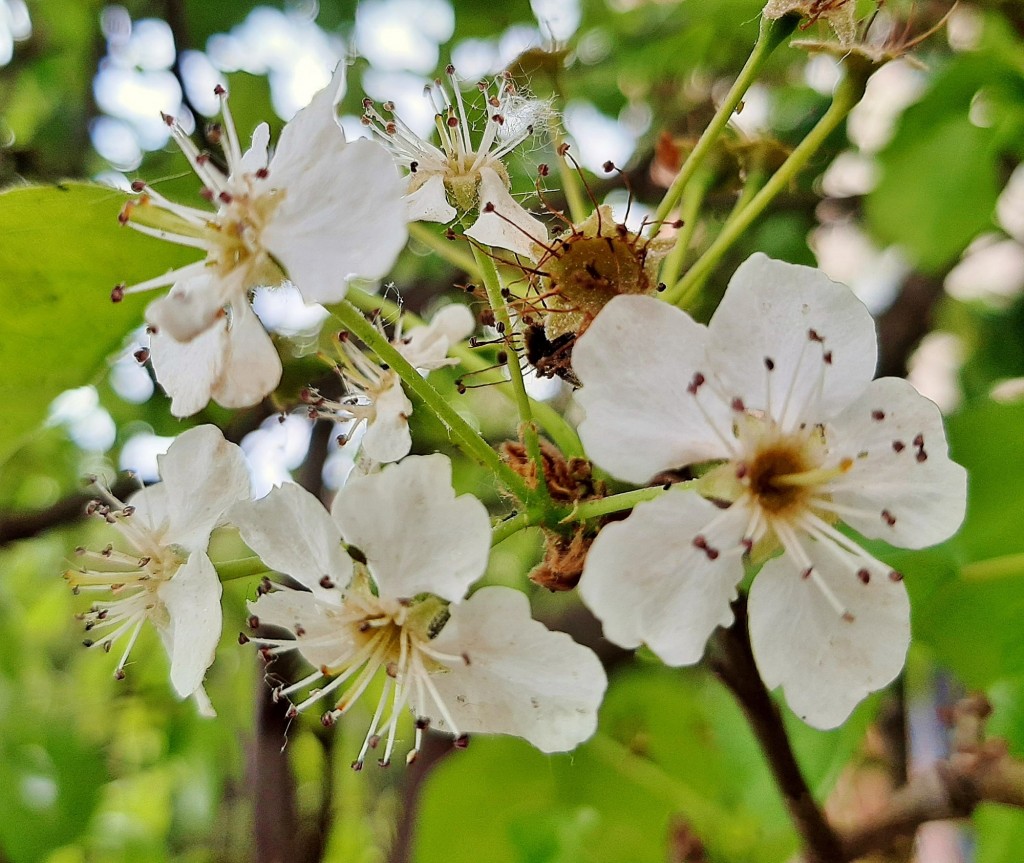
(769, 37)
(492, 285)
(465, 436)
(555, 426)
(847, 95)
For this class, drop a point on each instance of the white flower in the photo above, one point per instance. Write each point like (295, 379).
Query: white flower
(318, 213)
(374, 395)
(164, 574)
(482, 664)
(460, 176)
(778, 386)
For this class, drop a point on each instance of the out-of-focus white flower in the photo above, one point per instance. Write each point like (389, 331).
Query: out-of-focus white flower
(397, 612)
(374, 395)
(163, 573)
(778, 390)
(317, 213)
(461, 176)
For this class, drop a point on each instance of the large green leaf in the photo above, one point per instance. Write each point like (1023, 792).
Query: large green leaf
(62, 252)
(940, 174)
(673, 753)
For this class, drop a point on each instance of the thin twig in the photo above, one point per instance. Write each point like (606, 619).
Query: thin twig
(67, 510)
(732, 660)
(979, 770)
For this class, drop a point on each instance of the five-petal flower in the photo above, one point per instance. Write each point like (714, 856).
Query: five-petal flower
(778, 389)
(462, 666)
(460, 176)
(319, 212)
(374, 395)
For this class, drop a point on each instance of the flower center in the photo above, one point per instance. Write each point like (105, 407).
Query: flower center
(236, 235)
(132, 580)
(769, 475)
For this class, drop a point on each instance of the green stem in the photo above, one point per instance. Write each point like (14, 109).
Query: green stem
(445, 248)
(489, 276)
(243, 567)
(847, 95)
(509, 526)
(769, 37)
(581, 512)
(465, 436)
(555, 426)
(618, 502)
(994, 569)
(693, 200)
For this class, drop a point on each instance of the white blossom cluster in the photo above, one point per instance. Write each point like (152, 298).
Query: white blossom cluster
(771, 406)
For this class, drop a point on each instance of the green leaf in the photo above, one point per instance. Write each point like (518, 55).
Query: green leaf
(673, 755)
(62, 253)
(940, 174)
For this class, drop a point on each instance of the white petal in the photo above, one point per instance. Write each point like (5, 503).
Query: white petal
(522, 678)
(916, 488)
(203, 475)
(387, 435)
(418, 537)
(647, 582)
(151, 507)
(635, 362)
(250, 367)
(324, 640)
(768, 311)
(429, 203)
(293, 533)
(188, 371)
(427, 347)
(510, 226)
(189, 309)
(310, 137)
(341, 217)
(192, 601)
(827, 664)
(256, 157)
(204, 707)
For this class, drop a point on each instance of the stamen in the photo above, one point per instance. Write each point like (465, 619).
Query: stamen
(817, 476)
(791, 543)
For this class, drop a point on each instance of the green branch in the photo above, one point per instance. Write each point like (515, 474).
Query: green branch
(848, 94)
(503, 320)
(465, 436)
(769, 37)
(555, 426)
(243, 567)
